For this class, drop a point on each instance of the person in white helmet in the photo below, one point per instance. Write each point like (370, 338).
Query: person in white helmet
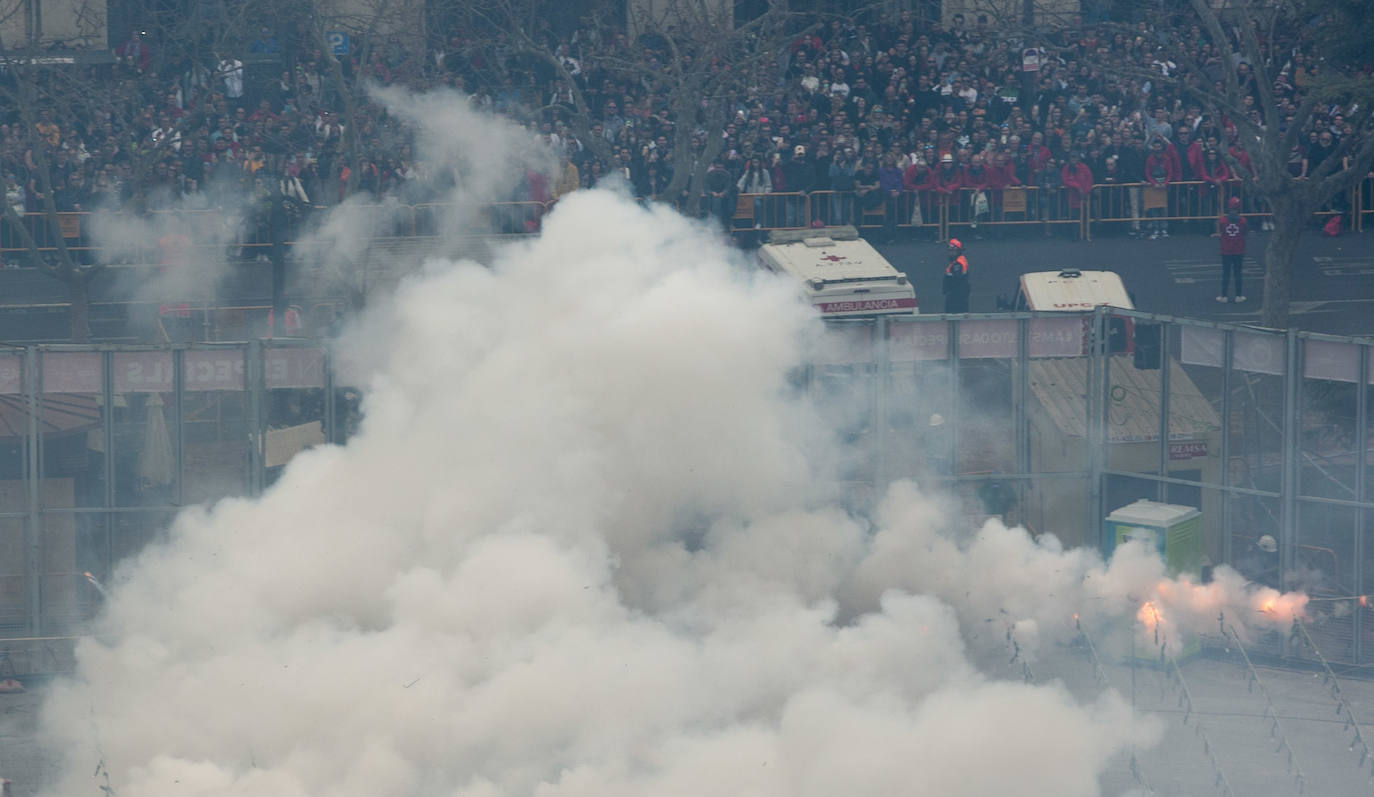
(1260, 563)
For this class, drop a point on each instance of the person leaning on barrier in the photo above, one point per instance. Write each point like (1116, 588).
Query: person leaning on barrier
(867, 186)
(756, 180)
(1077, 179)
(1160, 171)
(842, 183)
(720, 196)
(796, 172)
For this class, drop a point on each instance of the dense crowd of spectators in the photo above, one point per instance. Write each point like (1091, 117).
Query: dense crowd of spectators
(871, 108)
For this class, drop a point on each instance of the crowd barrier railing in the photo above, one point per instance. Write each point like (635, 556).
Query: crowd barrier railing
(1053, 209)
(1364, 203)
(1194, 206)
(242, 238)
(1190, 206)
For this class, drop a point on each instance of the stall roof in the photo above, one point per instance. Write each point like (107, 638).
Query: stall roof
(1060, 385)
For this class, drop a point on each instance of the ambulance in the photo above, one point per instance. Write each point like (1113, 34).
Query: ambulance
(842, 275)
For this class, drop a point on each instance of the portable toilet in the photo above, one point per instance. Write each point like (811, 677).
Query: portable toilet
(1176, 532)
(1173, 530)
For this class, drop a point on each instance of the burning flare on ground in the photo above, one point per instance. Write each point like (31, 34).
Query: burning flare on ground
(1195, 608)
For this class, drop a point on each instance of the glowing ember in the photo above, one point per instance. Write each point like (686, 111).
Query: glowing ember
(96, 583)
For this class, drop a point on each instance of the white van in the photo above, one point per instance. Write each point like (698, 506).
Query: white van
(842, 274)
(1071, 290)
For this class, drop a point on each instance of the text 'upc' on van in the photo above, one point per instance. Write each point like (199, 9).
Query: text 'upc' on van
(1070, 290)
(841, 274)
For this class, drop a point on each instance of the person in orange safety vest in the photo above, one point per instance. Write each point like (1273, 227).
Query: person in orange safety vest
(956, 286)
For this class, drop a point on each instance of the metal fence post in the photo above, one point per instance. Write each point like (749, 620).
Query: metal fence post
(1098, 383)
(1021, 424)
(179, 394)
(1289, 477)
(881, 381)
(330, 411)
(1162, 487)
(107, 421)
(953, 405)
(257, 438)
(1361, 493)
(33, 467)
(1227, 348)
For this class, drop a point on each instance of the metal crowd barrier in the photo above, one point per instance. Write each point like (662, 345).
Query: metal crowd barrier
(1190, 206)
(1194, 206)
(1183, 206)
(1365, 202)
(249, 239)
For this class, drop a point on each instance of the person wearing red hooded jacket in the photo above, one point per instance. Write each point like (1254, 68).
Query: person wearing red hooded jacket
(947, 181)
(1037, 153)
(1077, 179)
(1214, 174)
(1001, 173)
(919, 181)
(976, 177)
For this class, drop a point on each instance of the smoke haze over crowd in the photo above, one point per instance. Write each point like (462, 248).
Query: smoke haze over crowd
(582, 545)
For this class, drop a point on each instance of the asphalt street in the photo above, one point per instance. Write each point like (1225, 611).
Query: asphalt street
(1333, 288)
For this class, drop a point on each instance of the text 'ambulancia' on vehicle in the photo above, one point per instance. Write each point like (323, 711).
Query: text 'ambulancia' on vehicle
(841, 274)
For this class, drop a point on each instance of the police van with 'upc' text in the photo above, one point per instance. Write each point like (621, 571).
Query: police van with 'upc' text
(841, 274)
(1070, 290)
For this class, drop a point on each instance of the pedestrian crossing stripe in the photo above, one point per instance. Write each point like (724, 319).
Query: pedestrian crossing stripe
(1189, 272)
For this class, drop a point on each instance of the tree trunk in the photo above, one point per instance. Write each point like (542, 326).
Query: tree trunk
(80, 295)
(1279, 263)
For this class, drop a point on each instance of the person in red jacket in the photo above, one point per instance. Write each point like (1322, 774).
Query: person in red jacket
(1214, 174)
(919, 180)
(1077, 179)
(1231, 230)
(1001, 174)
(1160, 171)
(1036, 152)
(976, 182)
(947, 182)
(1194, 157)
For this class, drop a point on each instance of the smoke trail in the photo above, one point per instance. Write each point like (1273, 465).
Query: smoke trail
(581, 545)
(1003, 576)
(487, 591)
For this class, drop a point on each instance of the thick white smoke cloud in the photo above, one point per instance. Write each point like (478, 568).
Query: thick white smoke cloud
(578, 548)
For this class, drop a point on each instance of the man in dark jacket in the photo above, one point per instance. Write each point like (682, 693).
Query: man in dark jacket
(955, 285)
(720, 192)
(796, 172)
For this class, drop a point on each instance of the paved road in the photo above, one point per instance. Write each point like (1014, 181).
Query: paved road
(1181, 275)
